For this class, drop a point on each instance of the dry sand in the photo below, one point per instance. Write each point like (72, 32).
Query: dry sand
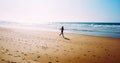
(35, 46)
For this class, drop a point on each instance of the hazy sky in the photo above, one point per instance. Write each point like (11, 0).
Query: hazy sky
(59, 10)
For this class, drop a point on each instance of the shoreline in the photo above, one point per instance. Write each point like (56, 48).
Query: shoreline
(104, 29)
(58, 31)
(36, 46)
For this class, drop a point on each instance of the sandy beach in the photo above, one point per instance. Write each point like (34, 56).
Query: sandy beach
(36, 46)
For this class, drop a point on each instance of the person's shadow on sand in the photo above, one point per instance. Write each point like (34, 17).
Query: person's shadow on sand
(66, 38)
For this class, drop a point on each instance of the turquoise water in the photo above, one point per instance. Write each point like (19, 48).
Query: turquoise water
(88, 28)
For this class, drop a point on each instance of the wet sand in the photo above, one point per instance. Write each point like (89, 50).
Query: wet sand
(35, 46)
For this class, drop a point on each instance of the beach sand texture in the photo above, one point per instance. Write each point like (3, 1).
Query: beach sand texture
(35, 46)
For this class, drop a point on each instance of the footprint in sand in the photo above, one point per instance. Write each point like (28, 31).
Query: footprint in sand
(2, 59)
(10, 54)
(19, 56)
(44, 47)
(23, 58)
(69, 60)
(16, 51)
(108, 54)
(7, 50)
(24, 47)
(114, 56)
(3, 50)
(64, 50)
(94, 55)
(71, 48)
(56, 57)
(68, 51)
(32, 53)
(106, 49)
(89, 51)
(49, 62)
(57, 61)
(35, 60)
(13, 62)
(64, 54)
(38, 56)
(98, 57)
(85, 54)
(28, 62)
(25, 54)
(8, 62)
(22, 52)
(16, 56)
(57, 45)
(57, 49)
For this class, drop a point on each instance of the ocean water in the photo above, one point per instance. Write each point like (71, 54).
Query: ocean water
(88, 28)
(93, 28)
